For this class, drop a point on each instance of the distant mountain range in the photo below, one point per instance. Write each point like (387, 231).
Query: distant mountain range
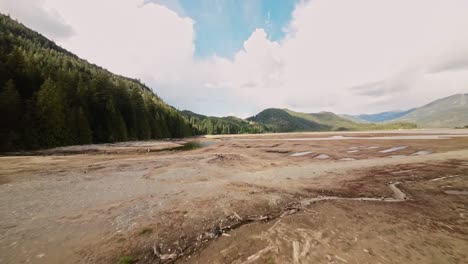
(50, 97)
(448, 112)
(382, 117)
(285, 120)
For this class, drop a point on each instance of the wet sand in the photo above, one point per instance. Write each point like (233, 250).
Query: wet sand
(241, 199)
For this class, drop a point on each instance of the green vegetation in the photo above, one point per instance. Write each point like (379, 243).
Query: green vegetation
(221, 125)
(146, 231)
(126, 260)
(279, 120)
(284, 120)
(332, 121)
(338, 123)
(185, 147)
(50, 97)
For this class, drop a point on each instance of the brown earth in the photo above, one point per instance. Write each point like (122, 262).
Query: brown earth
(243, 199)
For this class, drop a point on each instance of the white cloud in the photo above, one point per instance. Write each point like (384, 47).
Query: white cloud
(35, 15)
(174, 5)
(129, 37)
(338, 55)
(336, 45)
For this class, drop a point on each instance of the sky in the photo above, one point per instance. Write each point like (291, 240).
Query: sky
(222, 26)
(234, 57)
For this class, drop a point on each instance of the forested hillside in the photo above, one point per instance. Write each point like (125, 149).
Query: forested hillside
(50, 97)
(336, 122)
(285, 120)
(279, 120)
(221, 125)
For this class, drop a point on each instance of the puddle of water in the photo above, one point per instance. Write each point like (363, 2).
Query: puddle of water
(373, 147)
(353, 147)
(454, 192)
(298, 154)
(206, 143)
(347, 159)
(322, 156)
(402, 137)
(187, 146)
(445, 177)
(398, 196)
(393, 149)
(337, 137)
(352, 151)
(422, 152)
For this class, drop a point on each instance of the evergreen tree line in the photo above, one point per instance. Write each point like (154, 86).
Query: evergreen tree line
(202, 125)
(49, 97)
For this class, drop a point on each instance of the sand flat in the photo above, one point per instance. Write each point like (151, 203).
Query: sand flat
(77, 205)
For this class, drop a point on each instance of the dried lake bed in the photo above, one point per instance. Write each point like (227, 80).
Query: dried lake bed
(271, 198)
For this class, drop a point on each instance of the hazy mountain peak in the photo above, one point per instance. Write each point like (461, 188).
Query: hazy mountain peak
(451, 111)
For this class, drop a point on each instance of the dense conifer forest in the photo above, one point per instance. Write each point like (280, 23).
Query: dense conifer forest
(222, 125)
(50, 97)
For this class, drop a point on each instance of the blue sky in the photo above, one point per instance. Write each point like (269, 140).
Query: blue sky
(342, 56)
(222, 26)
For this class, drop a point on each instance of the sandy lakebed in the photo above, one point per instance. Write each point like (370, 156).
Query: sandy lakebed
(343, 197)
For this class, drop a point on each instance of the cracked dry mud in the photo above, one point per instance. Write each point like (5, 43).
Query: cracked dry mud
(244, 199)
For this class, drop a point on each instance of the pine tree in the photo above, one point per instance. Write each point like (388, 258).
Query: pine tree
(117, 128)
(83, 131)
(51, 114)
(50, 97)
(142, 126)
(10, 111)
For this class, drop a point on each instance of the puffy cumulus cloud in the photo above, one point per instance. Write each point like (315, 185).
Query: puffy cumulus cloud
(129, 37)
(221, 86)
(174, 5)
(368, 55)
(356, 56)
